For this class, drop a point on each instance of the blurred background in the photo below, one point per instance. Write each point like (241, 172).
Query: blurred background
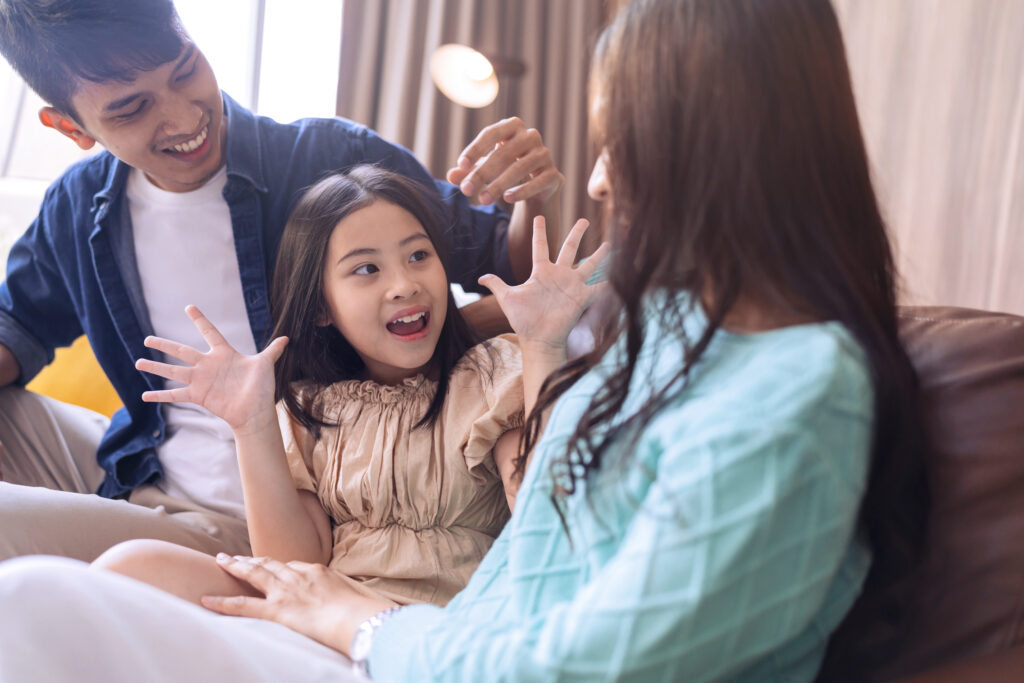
(939, 83)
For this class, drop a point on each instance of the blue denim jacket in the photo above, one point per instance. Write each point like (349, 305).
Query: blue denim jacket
(74, 271)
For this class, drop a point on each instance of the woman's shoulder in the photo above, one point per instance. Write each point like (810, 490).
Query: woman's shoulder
(795, 374)
(795, 398)
(816, 358)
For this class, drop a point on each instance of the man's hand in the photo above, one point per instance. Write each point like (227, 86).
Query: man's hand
(510, 161)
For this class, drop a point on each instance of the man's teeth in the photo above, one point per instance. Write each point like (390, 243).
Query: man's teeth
(193, 144)
(410, 318)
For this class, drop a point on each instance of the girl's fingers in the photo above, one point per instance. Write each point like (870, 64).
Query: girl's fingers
(179, 395)
(567, 254)
(236, 605)
(494, 283)
(210, 333)
(175, 373)
(182, 352)
(590, 266)
(540, 241)
(275, 349)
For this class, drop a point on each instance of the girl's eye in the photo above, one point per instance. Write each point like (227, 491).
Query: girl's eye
(419, 255)
(366, 269)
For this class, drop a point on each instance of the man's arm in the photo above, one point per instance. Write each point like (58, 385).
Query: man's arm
(10, 370)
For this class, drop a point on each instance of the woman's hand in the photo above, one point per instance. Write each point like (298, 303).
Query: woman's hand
(308, 598)
(237, 388)
(543, 310)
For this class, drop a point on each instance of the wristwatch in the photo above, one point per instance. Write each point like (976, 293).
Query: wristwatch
(362, 641)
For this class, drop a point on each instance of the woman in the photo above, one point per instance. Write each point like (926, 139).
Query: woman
(690, 510)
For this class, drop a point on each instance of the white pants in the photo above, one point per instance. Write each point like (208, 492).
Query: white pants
(61, 621)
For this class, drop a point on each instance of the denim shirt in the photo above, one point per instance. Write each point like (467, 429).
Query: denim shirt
(74, 271)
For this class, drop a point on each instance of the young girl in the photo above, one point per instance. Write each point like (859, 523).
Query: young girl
(378, 459)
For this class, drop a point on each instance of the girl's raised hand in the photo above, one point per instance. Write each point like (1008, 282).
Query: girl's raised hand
(236, 388)
(543, 310)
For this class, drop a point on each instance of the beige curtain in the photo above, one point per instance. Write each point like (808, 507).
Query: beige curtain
(940, 87)
(384, 80)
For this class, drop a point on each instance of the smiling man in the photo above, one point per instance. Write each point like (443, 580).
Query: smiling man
(185, 206)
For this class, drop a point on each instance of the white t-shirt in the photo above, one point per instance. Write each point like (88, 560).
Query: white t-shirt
(185, 250)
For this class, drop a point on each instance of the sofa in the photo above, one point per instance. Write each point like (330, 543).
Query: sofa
(967, 615)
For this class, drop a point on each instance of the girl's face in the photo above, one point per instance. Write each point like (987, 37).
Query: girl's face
(386, 290)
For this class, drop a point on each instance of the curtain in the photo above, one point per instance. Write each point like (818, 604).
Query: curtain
(384, 80)
(940, 89)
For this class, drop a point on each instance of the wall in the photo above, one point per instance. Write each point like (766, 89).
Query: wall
(940, 87)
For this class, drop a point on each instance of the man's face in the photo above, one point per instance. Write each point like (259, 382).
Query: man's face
(167, 122)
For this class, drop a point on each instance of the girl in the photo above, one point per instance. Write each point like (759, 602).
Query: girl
(378, 462)
(711, 483)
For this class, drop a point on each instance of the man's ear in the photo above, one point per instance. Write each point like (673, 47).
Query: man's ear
(65, 125)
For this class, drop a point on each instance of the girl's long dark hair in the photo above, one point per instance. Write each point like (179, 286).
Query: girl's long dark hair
(318, 355)
(737, 167)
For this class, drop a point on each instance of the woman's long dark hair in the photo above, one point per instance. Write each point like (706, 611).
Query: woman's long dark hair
(318, 355)
(737, 168)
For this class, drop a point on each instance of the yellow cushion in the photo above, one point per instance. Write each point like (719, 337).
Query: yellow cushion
(74, 376)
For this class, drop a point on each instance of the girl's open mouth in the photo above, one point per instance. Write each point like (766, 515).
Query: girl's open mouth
(409, 325)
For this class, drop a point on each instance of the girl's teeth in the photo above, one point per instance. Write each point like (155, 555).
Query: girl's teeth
(192, 145)
(410, 318)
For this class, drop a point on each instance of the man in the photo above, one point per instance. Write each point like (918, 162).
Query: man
(186, 205)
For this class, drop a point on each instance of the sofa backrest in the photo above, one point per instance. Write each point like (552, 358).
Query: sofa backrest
(970, 598)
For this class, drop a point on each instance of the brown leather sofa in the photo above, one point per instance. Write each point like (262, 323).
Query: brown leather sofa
(968, 607)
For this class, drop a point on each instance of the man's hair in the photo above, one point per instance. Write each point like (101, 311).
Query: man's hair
(56, 44)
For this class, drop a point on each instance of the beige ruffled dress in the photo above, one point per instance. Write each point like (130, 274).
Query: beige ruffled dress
(413, 510)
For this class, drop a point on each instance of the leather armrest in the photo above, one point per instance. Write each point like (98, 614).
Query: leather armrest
(1006, 666)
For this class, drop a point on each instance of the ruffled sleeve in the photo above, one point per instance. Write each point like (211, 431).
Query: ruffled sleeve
(486, 399)
(300, 449)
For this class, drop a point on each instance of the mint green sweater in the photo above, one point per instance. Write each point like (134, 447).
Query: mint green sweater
(720, 547)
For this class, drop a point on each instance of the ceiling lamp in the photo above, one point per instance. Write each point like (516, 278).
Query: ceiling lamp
(467, 77)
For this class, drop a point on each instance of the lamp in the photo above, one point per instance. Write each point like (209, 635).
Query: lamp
(467, 77)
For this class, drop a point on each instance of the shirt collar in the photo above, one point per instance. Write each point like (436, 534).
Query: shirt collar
(117, 177)
(244, 145)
